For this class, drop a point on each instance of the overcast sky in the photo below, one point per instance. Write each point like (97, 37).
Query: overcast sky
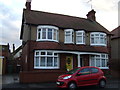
(11, 14)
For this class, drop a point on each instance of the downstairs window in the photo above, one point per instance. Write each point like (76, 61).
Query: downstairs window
(46, 60)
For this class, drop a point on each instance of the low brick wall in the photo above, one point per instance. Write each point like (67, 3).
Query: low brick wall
(36, 77)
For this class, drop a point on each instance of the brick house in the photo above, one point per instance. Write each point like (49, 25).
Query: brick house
(4, 57)
(55, 43)
(115, 51)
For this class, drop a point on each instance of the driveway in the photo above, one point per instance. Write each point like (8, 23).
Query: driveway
(12, 81)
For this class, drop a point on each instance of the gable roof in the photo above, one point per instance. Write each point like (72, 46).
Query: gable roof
(62, 21)
(116, 33)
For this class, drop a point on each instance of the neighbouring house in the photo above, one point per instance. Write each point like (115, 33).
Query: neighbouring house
(4, 57)
(16, 54)
(115, 52)
(54, 43)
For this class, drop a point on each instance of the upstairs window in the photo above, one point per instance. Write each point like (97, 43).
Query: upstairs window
(80, 37)
(98, 38)
(69, 36)
(47, 33)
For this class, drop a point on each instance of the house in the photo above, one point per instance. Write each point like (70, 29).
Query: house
(54, 43)
(4, 56)
(115, 51)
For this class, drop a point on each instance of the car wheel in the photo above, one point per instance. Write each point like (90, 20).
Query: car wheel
(72, 85)
(102, 83)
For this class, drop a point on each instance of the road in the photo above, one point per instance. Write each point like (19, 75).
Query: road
(11, 82)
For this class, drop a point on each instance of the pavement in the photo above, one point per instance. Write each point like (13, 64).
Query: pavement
(12, 81)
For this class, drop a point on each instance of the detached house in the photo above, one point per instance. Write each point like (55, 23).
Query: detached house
(55, 43)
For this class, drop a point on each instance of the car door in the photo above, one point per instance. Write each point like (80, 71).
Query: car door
(83, 77)
(94, 75)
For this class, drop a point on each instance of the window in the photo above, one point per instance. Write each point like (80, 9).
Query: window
(94, 70)
(98, 38)
(46, 60)
(80, 37)
(69, 36)
(47, 33)
(85, 71)
(99, 60)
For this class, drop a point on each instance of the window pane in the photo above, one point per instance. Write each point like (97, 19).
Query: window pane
(37, 53)
(42, 61)
(49, 33)
(55, 54)
(55, 34)
(94, 70)
(96, 40)
(49, 61)
(92, 61)
(37, 61)
(55, 62)
(79, 39)
(97, 62)
(42, 53)
(92, 40)
(49, 53)
(68, 38)
(85, 71)
(67, 33)
(44, 33)
(103, 63)
(39, 35)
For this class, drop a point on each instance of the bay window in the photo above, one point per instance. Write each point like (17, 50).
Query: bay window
(46, 60)
(69, 36)
(98, 38)
(80, 37)
(47, 33)
(99, 61)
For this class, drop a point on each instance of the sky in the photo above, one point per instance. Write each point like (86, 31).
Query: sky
(11, 14)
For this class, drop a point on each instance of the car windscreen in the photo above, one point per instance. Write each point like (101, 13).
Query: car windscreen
(73, 71)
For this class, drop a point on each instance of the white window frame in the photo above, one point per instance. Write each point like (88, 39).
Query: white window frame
(71, 36)
(54, 29)
(98, 43)
(99, 56)
(46, 56)
(82, 36)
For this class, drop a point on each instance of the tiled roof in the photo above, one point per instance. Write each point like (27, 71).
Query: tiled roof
(61, 21)
(116, 33)
(66, 47)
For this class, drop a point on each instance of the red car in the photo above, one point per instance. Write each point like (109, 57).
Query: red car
(82, 76)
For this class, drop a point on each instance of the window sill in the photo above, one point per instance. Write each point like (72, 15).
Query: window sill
(47, 40)
(80, 43)
(68, 42)
(46, 67)
(98, 44)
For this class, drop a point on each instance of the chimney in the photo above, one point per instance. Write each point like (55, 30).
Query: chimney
(91, 15)
(28, 4)
(13, 47)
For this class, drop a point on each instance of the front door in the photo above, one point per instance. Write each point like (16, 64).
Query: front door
(69, 63)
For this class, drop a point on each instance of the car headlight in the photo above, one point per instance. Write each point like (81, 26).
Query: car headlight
(67, 77)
